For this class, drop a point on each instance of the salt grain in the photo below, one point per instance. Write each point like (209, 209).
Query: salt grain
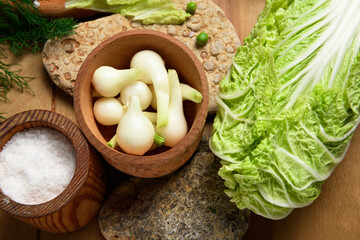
(36, 165)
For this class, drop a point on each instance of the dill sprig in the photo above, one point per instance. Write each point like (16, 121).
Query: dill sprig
(10, 78)
(22, 28)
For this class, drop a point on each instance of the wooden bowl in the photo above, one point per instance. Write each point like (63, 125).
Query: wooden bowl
(79, 203)
(117, 52)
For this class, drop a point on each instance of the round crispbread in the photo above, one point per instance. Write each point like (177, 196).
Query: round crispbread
(187, 204)
(63, 57)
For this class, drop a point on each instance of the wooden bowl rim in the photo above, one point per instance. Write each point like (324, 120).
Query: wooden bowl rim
(193, 132)
(65, 126)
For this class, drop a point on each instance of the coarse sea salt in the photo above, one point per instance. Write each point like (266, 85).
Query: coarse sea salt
(36, 165)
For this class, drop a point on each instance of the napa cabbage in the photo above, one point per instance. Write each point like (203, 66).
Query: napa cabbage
(289, 105)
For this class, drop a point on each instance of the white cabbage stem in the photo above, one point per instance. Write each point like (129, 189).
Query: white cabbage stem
(108, 81)
(135, 133)
(176, 129)
(152, 70)
(137, 87)
(108, 111)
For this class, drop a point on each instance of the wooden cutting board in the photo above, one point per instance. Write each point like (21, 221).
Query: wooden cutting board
(334, 215)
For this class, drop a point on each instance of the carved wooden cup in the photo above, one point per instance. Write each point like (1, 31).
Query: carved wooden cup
(117, 52)
(79, 203)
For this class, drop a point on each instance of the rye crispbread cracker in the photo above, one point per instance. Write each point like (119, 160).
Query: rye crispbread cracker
(187, 204)
(63, 57)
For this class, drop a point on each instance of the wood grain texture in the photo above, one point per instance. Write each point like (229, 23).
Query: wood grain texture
(89, 232)
(242, 13)
(77, 205)
(11, 228)
(334, 215)
(123, 47)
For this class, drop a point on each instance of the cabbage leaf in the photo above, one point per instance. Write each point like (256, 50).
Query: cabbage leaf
(144, 11)
(289, 105)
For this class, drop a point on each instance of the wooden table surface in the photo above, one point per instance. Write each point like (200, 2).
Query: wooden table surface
(334, 215)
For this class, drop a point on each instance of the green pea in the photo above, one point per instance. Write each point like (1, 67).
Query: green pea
(202, 39)
(191, 7)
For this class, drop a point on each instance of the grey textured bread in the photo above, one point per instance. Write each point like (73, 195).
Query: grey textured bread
(63, 57)
(188, 204)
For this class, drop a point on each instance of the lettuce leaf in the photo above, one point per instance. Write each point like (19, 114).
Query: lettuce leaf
(156, 11)
(122, 2)
(145, 6)
(145, 11)
(289, 105)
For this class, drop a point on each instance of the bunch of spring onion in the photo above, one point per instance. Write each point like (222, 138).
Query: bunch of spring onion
(127, 94)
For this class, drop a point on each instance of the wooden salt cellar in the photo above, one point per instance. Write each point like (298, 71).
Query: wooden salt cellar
(79, 203)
